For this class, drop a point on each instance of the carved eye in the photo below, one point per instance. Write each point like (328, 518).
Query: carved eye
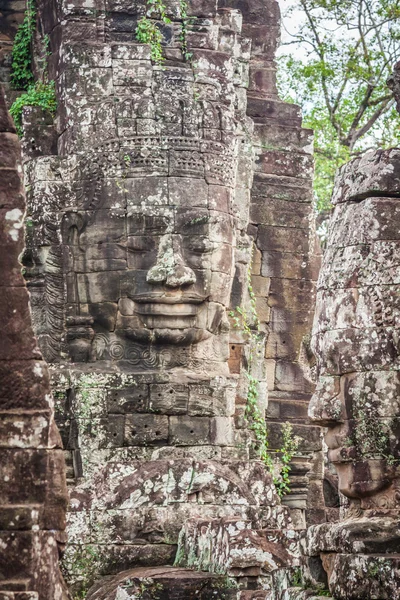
(138, 243)
(201, 246)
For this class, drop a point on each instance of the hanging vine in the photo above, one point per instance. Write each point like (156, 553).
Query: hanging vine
(21, 58)
(183, 8)
(279, 465)
(148, 32)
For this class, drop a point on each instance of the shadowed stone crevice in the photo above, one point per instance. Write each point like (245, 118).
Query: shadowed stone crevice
(165, 584)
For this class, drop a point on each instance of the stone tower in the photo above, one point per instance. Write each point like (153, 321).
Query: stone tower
(33, 493)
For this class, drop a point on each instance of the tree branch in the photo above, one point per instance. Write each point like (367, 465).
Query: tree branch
(365, 128)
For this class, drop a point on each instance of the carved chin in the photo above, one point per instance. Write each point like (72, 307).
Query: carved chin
(363, 478)
(177, 337)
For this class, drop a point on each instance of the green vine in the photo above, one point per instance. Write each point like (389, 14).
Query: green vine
(183, 6)
(147, 31)
(21, 59)
(250, 324)
(39, 94)
(290, 445)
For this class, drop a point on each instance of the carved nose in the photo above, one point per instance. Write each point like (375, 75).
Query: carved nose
(170, 269)
(181, 275)
(173, 276)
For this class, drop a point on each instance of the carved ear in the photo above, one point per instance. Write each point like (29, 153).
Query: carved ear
(72, 225)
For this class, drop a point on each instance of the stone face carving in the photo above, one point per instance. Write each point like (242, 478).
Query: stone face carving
(142, 254)
(33, 494)
(355, 327)
(356, 341)
(169, 243)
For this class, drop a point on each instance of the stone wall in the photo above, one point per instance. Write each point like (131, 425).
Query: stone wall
(33, 494)
(286, 259)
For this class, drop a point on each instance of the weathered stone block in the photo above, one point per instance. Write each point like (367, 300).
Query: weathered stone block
(287, 164)
(145, 429)
(130, 399)
(290, 376)
(11, 196)
(189, 430)
(169, 399)
(283, 188)
(222, 431)
(283, 239)
(376, 170)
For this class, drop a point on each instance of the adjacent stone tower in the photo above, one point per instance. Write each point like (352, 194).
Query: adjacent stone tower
(356, 342)
(33, 493)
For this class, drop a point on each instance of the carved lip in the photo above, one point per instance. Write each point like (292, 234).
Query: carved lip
(162, 309)
(173, 299)
(164, 306)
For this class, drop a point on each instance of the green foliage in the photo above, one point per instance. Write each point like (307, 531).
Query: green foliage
(296, 579)
(279, 466)
(39, 94)
(290, 445)
(183, 6)
(148, 32)
(21, 65)
(349, 49)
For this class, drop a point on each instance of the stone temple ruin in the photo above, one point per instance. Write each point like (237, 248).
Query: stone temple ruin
(171, 263)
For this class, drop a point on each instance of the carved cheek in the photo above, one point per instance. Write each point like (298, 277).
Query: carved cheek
(142, 252)
(220, 287)
(203, 281)
(326, 405)
(222, 259)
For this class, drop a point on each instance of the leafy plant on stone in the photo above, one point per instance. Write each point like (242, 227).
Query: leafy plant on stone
(296, 579)
(338, 56)
(21, 59)
(183, 6)
(290, 445)
(249, 322)
(39, 94)
(148, 32)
